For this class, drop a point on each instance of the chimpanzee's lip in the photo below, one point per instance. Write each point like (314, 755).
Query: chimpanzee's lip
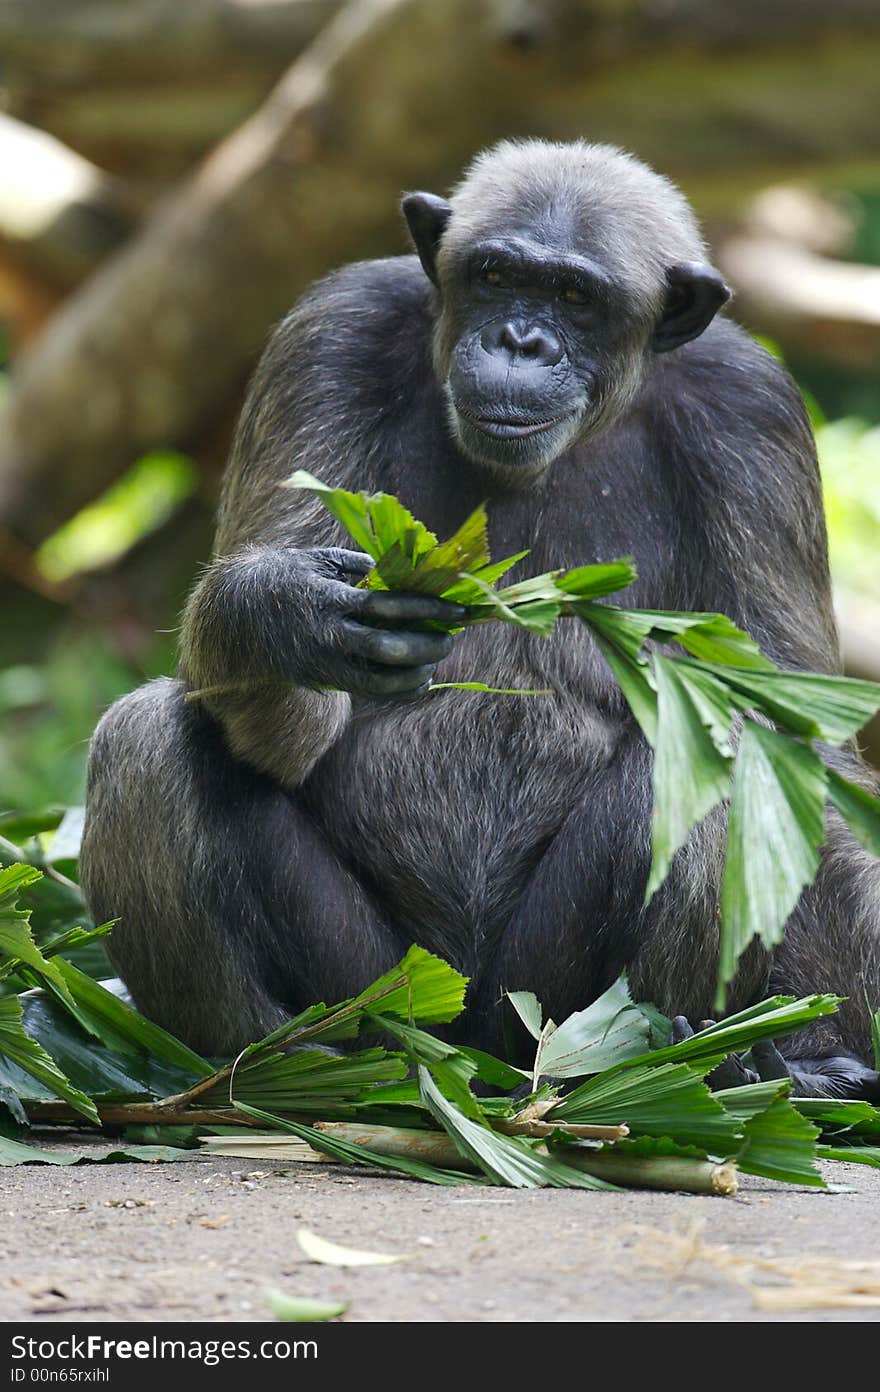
(508, 428)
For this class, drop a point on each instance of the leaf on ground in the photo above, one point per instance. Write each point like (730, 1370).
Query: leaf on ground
(654, 1100)
(495, 1071)
(839, 1118)
(852, 1155)
(769, 1019)
(16, 940)
(18, 1153)
(311, 1081)
(87, 1063)
(318, 1249)
(779, 1142)
(504, 1159)
(296, 1309)
(28, 1055)
(423, 989)
(610, 1030)
(528, 1008)
(124, 1029)
(451, 1068)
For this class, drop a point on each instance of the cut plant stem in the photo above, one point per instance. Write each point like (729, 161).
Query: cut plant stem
(655, 1172)
(373, 1137)
(137, 1114)
(432, 1147)
(516, 1126)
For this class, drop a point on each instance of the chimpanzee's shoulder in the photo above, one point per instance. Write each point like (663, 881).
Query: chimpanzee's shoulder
(353, 346)
(728, 378)
(365, 305)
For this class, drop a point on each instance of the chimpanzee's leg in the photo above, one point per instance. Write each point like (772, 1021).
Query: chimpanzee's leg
(582, 918)
(233, 910)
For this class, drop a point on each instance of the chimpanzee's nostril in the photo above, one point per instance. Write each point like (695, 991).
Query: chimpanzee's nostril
(531, 344)
(509, 338)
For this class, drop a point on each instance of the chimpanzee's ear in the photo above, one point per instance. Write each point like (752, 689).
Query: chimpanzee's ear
(426, 217)
(694, 294)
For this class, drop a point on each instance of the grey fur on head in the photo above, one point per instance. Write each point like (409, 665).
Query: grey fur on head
(600, 198)
(594, 200)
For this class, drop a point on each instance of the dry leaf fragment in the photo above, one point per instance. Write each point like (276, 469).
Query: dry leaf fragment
(318, 1249)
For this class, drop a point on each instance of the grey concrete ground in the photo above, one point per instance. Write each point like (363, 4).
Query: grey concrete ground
(203, 1239)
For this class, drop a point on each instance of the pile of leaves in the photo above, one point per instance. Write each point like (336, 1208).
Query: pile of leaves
(624, 1107)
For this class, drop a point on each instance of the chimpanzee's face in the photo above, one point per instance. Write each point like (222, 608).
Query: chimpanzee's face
(542, 335)
(530, 342)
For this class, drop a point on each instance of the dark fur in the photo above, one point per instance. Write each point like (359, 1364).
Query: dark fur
(274, 846)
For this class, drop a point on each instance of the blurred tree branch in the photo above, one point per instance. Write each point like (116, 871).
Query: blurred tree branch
(806, 302)
(59, 214)
(395, 94)
(156, 79)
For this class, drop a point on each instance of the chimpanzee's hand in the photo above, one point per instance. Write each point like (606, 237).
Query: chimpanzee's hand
(368, 642)
(838, 1075)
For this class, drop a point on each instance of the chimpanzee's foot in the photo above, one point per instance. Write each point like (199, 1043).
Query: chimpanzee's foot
(841, 1076)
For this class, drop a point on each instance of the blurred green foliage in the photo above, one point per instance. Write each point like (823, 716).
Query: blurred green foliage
(48, 712)
(137, 504)
(49, 708)
(849, 453)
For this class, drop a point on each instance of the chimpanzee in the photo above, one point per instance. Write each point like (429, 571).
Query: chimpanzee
(553, 350)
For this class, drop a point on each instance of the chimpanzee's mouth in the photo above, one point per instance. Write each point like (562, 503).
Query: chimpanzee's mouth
(505, 428)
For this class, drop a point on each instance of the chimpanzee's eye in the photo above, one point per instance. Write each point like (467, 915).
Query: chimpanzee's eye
(490, 276)
(572, 295)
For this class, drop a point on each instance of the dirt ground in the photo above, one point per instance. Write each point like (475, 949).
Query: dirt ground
(205, 1238)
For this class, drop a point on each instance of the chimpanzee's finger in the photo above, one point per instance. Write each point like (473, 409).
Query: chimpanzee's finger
(768, 1061)
(681, 1029)
(395, 647)
(338, 564)
(385, 607)
(395, 681)
(730, 1074)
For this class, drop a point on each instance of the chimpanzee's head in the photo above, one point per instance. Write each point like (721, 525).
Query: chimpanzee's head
(560, 270)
